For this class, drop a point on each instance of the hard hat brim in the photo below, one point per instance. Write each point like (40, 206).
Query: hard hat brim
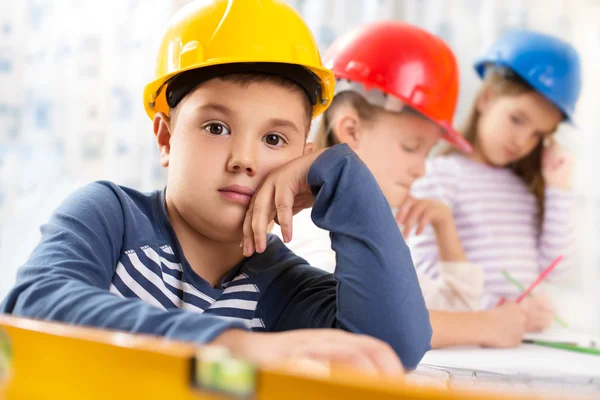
(155, 99)
(454, 137)
(481, 66)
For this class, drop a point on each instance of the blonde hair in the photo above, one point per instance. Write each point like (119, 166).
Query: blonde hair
(501, 82)
(367, 113)
(325, 137)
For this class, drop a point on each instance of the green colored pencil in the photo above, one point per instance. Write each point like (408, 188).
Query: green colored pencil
(518, 285)
(562, 346)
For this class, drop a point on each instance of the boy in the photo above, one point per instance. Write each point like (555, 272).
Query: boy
(231, 104)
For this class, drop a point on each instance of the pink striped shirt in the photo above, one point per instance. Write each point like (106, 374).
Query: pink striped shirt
(497, 221)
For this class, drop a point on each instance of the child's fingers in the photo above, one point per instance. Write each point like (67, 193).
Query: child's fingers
(537, 323)
(407, 228)
(342, 355)
(248, 244)
(408, 225)
(545, 160)
(284, 203)
(426, 220)
(541, 312)
(404, 210)
(550, 143)
(544, 303)
(549, 149)
(414, 216)
(410, 219)
(385, 358)
(423, 222)
(263, 211)
(536, 300)
(248, 236)
(364, 353)
(558, 163)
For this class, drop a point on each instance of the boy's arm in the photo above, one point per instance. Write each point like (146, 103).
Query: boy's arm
(68, 276)
(374, 290)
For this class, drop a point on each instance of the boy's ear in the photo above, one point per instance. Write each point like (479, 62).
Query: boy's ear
(484, 100)
(347, 128)
(309, 148)
(162, 131)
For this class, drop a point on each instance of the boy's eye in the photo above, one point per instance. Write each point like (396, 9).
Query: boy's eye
(215, 128)
(274, 140)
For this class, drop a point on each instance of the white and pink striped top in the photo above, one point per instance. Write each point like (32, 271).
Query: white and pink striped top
(497, 221)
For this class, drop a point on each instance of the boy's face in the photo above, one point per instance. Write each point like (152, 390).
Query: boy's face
(224, 139)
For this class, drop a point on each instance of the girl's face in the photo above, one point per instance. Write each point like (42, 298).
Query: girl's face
(394, 146)
(511, 127)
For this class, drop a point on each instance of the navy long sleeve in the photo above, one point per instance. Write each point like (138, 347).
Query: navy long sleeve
(375, 289)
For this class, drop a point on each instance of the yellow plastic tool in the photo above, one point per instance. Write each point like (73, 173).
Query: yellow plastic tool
(56, 361)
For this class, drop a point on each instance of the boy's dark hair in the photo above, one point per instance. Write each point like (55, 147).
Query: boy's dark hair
(288, 76)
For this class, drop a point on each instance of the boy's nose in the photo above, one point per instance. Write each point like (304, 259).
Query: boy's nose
(242, 158)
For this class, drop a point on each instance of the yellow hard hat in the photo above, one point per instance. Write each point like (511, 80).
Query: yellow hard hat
(257, 35)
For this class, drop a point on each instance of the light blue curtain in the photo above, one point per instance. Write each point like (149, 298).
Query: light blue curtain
(71, 79)
(72, 73)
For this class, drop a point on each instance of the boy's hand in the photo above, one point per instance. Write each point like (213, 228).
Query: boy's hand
(539, 312)
(504, 326)
(321, 345)
(557, 166)
(422, 212)
(283, 193)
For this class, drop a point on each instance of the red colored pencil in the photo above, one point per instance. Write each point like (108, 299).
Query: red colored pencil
(540, 278)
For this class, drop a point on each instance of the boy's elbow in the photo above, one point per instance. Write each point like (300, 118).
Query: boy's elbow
(20, 304)
(32, 299)
(413, 356)
(7, 305)
(412, 349)
(10, 303)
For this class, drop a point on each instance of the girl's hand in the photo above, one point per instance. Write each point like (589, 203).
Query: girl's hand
(504, 326)
(557, 166)
(422, 212)
(539, 312)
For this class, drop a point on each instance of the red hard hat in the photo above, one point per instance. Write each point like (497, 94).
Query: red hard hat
(405, 61)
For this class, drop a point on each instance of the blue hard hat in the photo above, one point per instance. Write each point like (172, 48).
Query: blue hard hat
(548, 64)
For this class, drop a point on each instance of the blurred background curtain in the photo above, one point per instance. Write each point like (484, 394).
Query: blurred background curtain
(72, 73)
